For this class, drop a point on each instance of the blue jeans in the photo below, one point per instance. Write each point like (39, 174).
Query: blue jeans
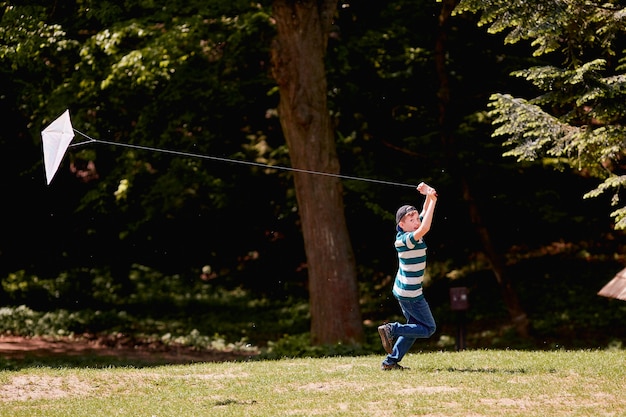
(420, 324)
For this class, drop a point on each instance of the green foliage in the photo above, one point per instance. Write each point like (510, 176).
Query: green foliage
(193, 76)
(570, 26)
(557, 285)
(189, 77)
(149, 305)
(578, 118)
(22, 321)
(28, 42)
(524, 123)
(67, 288)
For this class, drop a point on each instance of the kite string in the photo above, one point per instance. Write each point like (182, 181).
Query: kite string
(236, 161)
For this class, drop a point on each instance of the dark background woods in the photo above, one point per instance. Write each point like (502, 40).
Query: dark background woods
(195, 78)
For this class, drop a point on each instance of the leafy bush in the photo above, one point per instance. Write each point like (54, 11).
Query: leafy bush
(22, 321)
(558, 293)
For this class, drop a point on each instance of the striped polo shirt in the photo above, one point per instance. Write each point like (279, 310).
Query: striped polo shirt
(411, 267)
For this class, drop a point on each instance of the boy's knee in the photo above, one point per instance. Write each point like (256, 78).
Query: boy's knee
(432, 329)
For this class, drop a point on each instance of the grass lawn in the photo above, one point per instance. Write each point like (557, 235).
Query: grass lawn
(468, 383)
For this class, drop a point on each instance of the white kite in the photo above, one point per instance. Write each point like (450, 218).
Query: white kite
(56, 138)
(58, 135)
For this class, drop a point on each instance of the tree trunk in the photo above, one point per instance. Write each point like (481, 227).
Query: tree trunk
(515, 309)
(298, 66)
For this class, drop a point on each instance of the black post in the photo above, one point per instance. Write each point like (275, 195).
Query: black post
(460, 331)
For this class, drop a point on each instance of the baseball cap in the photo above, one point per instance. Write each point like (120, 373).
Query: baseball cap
(403, 211)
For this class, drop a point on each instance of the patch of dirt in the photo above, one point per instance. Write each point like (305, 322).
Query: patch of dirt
(19, 348)
(30, 387)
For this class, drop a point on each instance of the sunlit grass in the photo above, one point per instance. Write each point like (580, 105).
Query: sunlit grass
(469, 383)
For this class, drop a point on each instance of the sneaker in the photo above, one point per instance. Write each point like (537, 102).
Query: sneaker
(392, 367)
(385, 337)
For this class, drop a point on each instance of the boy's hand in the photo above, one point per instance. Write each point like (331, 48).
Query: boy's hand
(426, 189)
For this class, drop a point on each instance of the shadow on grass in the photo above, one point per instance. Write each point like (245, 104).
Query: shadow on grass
(79, 356)
(98, 362)
(89, 361)
(484, 370)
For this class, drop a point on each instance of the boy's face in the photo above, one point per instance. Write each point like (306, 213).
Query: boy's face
(411, 222)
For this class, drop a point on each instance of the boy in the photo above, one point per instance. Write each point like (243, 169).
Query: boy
(411, 227)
